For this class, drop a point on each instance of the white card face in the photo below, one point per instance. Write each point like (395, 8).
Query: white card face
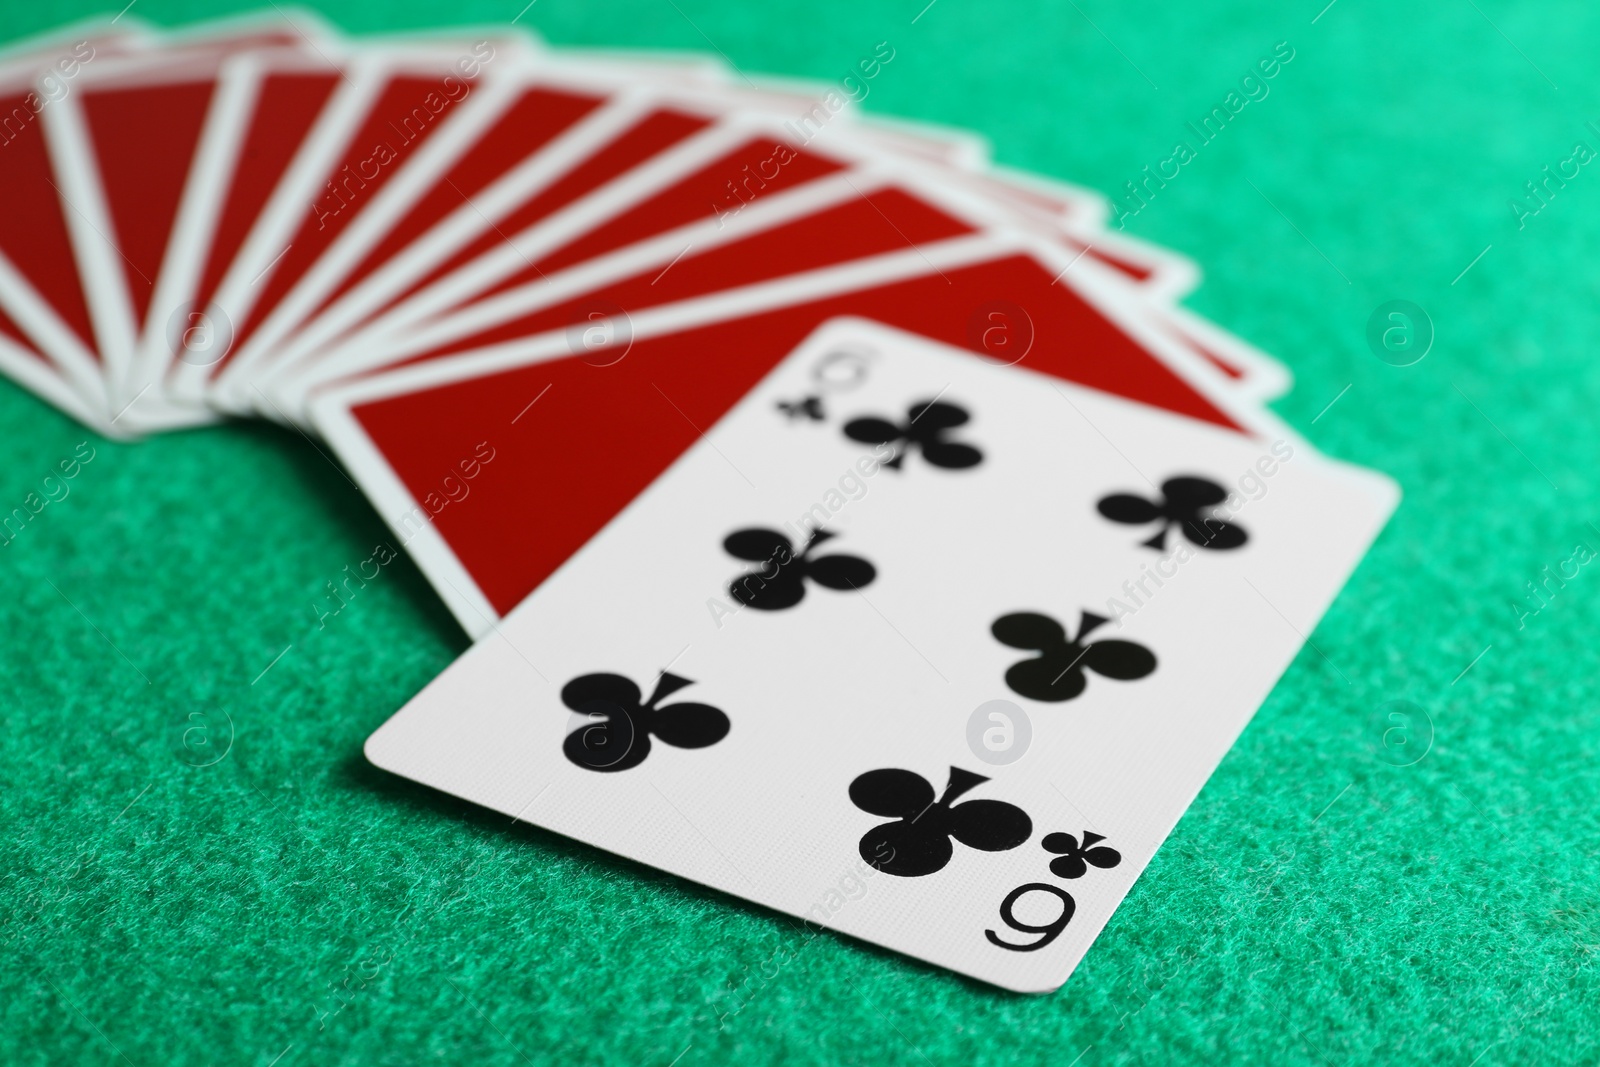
(822, 669)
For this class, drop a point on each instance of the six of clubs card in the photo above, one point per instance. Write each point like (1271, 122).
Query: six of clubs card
(761, 674)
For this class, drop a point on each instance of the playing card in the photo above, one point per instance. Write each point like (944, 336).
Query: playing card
(266, 105)
(400, 433)
(63, 272)
(39, 285)
(40, 349)
(124, 147)
(937, 660)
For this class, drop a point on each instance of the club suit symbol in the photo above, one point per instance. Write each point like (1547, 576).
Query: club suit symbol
(925, 427)
(1181, 504)
(807, 407)
(622, 739)
(1074, 858)
(781, 580)
(917, 843)
(1057, 673)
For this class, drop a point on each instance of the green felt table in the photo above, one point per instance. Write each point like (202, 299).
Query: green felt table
(288, 904)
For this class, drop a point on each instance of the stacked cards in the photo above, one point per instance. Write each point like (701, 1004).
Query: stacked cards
(849, 525)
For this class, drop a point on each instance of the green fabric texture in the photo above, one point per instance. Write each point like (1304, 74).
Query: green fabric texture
(288, 904)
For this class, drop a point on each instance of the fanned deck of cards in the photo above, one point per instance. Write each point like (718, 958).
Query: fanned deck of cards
(846, 523)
